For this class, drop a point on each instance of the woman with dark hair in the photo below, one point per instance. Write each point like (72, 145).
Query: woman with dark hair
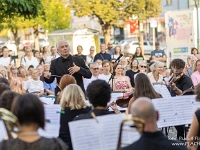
(195, 52)
(143, 88)
(36, 54)
(4, 87)
(134, 70)
(30, 113)
(117, 52)
(138, 55)
(7, 98)
(73, 104)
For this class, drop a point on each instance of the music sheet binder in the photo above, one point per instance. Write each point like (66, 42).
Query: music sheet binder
(87, 134)
(177, 110)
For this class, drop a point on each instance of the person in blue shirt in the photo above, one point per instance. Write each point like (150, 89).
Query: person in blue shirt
(49, 88)
(158, 54)
(102, 55)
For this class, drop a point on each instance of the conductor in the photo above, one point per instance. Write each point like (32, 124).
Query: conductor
(67, 64)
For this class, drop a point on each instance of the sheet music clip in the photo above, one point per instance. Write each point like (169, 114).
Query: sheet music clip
(94, 117)
(158, 83)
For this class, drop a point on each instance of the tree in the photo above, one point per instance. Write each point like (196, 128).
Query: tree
(109, 12)
(25, 8)
(53, 16)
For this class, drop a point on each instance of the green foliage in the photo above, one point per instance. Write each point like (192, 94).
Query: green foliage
(109, 12)
(24, 8)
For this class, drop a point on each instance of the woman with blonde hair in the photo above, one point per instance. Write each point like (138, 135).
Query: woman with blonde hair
(73, 104)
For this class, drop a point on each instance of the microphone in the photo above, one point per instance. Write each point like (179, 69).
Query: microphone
(118, 58)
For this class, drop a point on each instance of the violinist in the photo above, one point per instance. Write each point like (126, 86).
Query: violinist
(178, 84)
(179, 81)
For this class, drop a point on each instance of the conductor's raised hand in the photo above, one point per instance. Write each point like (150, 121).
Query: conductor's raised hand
(47, 75)
(73, 69)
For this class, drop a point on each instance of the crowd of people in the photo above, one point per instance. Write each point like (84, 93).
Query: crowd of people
(82, 85)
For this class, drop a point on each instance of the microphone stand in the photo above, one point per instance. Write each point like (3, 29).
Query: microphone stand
(112, 75)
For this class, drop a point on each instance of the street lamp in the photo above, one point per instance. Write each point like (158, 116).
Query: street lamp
(197, 3)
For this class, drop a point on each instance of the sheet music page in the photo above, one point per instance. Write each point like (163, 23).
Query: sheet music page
(52, 113)
(85, 135)
(3, 132)
(166, 112)
(176, 110)
(114, 97)
(109, 129)
(50, 131)
(162, 89)
(47, 100)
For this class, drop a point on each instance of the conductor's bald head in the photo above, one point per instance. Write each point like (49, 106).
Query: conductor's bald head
(144, 109)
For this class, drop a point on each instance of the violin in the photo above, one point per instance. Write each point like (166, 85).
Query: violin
(175, 79)
(123, 101)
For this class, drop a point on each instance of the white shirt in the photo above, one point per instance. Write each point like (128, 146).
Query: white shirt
(107, 77)
(86, 82)
(5, 61)
(89, 59)
(26, 62)
(152, 80)
(33, 86)
(114, 56)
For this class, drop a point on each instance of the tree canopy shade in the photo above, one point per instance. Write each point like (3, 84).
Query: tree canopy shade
(25, 8)
(109, 12)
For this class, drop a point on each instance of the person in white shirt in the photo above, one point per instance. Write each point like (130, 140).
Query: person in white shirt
(29, 59)
(5, 60)
(90, 57)
(34, 85)
(94, 68)
(107, 69)
(117, 52)
(155, 75)
(54, 55)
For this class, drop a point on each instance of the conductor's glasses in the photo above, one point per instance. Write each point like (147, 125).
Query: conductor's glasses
(63, 46)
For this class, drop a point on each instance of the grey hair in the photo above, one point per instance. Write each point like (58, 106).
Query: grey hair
(154, 65)
(93, 63)
(58, 43)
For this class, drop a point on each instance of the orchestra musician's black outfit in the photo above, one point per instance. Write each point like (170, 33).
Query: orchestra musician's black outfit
(183, 84)
(155, 141)
(60, 66)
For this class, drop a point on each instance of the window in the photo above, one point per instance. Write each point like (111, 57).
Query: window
(168, 2)
(145, 43)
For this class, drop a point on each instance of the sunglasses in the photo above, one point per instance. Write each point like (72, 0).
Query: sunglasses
(95, 68)
(143, 66)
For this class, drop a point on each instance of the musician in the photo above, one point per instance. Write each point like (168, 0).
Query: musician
(67, 64)
(194, 133)
(151, 138)
(72, 103)
(179, 83)
(30, 113)
(143, 87)
(99, 94)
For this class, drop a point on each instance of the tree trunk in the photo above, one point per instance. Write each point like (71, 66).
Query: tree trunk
(141, 44)
(36, 35)
(16, 38)
(106, 28)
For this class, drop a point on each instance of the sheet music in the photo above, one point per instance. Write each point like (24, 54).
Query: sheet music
(162, 89)
(47, 100)
(176, 110)
(50, 131)
(88, 134)
(3, 132)
(52, 113)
